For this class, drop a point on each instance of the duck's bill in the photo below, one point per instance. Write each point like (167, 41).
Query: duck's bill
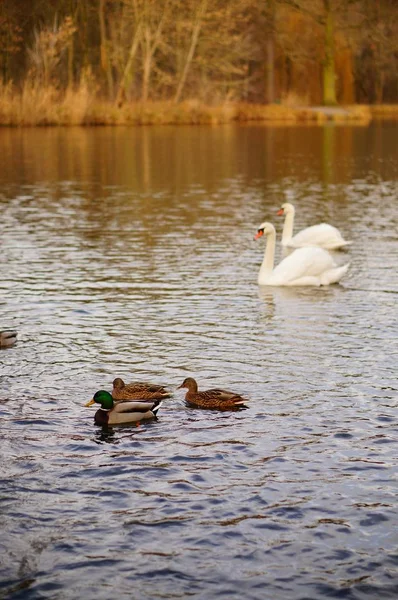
(259, 234)
(280, 212)
(92, 401)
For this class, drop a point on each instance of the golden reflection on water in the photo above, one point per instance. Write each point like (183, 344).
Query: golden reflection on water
(149, 159)
(129, 252)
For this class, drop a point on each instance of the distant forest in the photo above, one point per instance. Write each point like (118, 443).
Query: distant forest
(213, 51)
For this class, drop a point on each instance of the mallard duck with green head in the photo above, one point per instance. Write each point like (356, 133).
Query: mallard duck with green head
(120, 413)
(213, 399)
(138, 391)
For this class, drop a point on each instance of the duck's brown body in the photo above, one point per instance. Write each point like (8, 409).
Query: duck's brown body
(217, 399)
(138, 391)
(7, 338)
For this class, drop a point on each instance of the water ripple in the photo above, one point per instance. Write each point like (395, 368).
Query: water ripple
(295, 495)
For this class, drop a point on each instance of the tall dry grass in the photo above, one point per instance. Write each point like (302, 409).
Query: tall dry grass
(292, 99)
(388, 111)
(37, 105)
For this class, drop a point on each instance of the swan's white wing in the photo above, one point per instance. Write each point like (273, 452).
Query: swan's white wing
(303, 262)
(323, 235)
(334, 275)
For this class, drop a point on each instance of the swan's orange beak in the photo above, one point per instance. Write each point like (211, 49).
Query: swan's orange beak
(280, 212)
(259, 233)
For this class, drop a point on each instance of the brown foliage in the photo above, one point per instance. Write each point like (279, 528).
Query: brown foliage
(214, 52)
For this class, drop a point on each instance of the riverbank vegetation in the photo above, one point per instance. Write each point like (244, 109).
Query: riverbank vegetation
(34, 105)
(75, 62)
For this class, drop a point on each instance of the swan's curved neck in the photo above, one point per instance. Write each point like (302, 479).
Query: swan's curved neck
(268, 260)
(287, 232)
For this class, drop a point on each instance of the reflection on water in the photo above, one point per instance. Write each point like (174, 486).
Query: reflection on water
(130, 252)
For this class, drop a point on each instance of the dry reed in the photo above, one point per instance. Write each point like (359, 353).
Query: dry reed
(35, 105)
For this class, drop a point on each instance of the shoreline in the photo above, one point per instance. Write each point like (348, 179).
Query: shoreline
(43, 108)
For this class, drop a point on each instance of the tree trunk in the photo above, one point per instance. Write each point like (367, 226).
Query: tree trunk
(379, 86)
(127, 75)
(329, 76)
(270, 51)
(194, 41)
(147, 65)
(104, 48)
(270, 71)
(71, 48)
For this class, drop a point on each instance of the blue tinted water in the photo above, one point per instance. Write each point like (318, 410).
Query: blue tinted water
(130, 253)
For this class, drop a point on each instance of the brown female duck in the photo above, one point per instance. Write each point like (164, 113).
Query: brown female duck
(213, 399)
(7, 338)
(138, 391)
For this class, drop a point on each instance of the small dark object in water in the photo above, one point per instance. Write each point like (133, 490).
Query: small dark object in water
(7, 338)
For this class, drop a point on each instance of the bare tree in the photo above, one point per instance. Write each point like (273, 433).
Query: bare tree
(105, 62)
(223, 49)
(50, 44)
(377, 64)
(196, 29)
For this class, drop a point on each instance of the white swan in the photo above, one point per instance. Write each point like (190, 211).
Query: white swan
(323, 235)
(305, 266)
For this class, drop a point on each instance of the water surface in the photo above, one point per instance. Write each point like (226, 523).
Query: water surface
(129, 252)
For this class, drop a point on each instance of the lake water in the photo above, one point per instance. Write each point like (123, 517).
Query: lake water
(129, 252)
